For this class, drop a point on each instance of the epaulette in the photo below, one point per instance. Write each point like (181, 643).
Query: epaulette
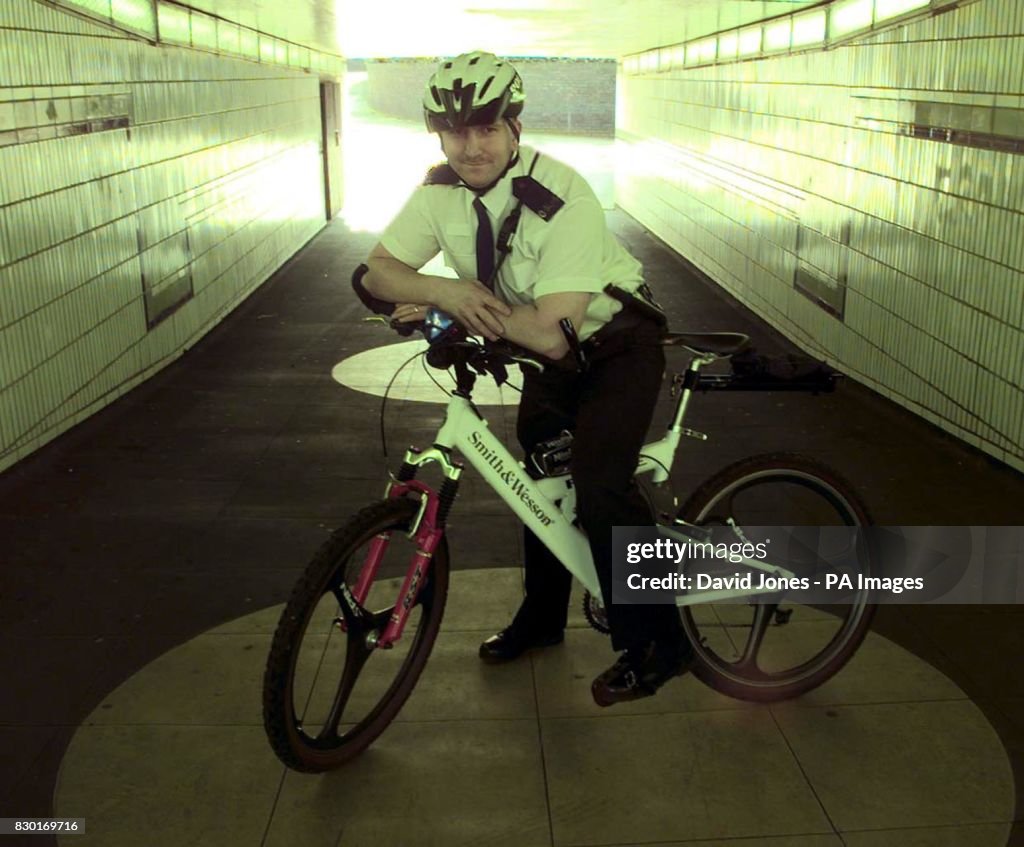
(442, 174)
(538, 199)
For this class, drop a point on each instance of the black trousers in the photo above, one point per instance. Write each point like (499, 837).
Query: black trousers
(608, 409)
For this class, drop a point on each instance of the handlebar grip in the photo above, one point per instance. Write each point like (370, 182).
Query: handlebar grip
(374, 304)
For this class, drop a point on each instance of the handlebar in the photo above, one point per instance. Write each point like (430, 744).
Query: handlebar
(452, 346)
(445, 335)
(458, 349)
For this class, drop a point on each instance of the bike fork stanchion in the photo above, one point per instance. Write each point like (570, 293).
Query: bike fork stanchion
(426, 532)
(426, 544)
(379, 545)
(368, 572)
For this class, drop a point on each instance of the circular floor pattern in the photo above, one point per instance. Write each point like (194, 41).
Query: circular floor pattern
(890, 752)
(372, 370)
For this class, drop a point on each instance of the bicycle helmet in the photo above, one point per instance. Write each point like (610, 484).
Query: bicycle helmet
(472, 89)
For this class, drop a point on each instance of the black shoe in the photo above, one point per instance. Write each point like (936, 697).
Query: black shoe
(512, 642)
(640, 672)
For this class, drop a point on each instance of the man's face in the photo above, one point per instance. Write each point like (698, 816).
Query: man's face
(479, 153)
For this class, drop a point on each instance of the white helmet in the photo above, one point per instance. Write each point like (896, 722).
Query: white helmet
(472, 89)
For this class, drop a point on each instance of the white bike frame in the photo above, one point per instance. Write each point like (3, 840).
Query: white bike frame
(548, 505)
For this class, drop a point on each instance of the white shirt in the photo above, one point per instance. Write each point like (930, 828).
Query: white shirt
(573, 251)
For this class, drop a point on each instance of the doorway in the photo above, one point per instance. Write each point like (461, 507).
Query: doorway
(330, 121)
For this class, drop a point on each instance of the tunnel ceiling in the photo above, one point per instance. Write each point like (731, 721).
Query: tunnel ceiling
(578, 28)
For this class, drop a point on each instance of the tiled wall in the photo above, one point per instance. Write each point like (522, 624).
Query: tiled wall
(144, 192)
(808, 169)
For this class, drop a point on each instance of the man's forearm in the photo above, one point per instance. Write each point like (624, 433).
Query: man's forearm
(395, 282)
(526, 328)
(470, 303)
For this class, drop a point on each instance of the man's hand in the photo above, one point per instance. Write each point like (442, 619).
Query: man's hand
(474, 306)
(405, 313)
(470, 303)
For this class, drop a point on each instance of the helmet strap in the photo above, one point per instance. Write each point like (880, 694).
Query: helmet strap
(480, 192)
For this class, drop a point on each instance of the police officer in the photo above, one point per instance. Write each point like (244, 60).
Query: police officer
(562, 259)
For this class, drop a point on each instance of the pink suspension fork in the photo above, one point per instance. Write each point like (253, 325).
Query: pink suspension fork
(427, 534)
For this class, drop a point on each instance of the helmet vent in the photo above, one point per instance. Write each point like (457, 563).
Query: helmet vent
(473, 89)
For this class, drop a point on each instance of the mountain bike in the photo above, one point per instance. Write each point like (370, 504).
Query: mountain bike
(358, 628)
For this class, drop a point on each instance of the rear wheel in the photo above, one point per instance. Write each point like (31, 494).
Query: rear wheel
(328, 692)
(766, 649)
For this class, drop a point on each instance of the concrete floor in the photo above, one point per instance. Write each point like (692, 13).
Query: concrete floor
(148, 551)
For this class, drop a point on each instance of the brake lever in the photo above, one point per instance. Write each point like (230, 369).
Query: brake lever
(533, 363)
(401, 328)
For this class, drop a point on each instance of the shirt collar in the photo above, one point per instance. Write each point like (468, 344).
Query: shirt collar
(496, 200)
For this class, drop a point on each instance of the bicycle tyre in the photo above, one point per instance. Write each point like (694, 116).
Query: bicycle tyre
(752, 684)
(329, 567)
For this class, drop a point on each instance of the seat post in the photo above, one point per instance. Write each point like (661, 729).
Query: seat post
(688, 382)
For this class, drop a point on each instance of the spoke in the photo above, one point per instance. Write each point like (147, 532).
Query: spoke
(351, 611)
(762, 617)
(356, 654)
(357, 651)
(804, 545)
(719, 517)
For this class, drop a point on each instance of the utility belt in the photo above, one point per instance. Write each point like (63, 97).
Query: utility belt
(637, 309)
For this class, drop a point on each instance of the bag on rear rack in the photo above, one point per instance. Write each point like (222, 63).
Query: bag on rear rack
(786, 371)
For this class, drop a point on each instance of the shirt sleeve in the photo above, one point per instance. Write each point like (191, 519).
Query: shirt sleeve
(410, 237)
(571, 257)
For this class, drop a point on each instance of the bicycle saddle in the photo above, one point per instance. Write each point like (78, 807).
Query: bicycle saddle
(713, 343)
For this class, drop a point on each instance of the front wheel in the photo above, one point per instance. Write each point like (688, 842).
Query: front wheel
(766, 649)
(328, 691)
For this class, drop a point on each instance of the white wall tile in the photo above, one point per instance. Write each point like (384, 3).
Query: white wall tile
(936, 228)
(73, 326)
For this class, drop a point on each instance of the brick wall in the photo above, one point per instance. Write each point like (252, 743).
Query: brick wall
(562, 95)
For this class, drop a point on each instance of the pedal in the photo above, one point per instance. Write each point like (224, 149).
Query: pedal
(692, 433)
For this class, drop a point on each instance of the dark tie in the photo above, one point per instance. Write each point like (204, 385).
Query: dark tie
(484, 245)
